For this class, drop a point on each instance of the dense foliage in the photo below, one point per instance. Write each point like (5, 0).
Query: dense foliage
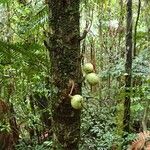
(26, 84)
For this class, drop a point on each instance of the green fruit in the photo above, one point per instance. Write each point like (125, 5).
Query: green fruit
(77, 101)
(92, 78)
(88, 68)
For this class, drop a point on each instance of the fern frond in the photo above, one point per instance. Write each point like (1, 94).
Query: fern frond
(141, 141)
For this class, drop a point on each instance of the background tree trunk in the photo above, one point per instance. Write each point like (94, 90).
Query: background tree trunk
(66, 61)
(128, 67)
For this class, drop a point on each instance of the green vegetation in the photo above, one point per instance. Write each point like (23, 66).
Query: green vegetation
(74, 75)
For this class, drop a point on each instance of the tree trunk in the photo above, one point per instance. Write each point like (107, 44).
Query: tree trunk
(65, 66)
(128, 68)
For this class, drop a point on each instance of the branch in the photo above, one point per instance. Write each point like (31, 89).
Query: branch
(86, 30)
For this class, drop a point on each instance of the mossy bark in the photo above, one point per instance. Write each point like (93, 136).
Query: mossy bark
(65, 67)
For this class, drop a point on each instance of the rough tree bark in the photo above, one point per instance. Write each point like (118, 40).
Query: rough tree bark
(65, 67)
(128, 67)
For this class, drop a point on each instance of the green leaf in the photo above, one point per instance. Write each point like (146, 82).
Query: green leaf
(4, 1)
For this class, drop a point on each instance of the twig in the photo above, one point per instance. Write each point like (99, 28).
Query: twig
(87, 28)
(72, 87)
(135, 29)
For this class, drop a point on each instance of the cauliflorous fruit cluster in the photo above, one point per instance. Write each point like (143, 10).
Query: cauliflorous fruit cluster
(91, 78)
